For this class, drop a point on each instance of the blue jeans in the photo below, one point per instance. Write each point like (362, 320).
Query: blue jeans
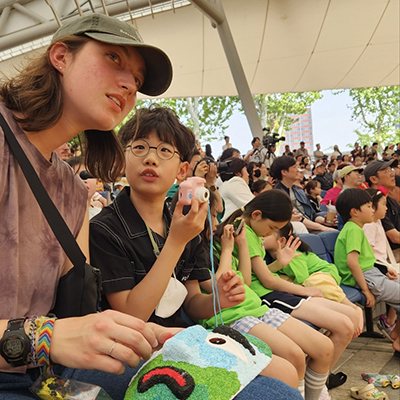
(16, 386)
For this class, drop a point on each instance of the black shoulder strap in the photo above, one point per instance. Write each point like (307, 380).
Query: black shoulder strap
(53, 216)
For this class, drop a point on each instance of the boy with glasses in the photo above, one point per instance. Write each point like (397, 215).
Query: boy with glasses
(141, 250)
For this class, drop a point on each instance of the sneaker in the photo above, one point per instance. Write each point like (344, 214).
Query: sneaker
(384, 322)
(325, 394)
(384, 330)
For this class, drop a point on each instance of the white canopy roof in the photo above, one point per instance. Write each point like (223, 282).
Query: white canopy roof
(282, 45)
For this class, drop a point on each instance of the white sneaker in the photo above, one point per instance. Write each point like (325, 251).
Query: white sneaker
(325, 394)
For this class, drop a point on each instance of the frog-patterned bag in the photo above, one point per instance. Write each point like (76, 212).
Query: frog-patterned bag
(197, 364)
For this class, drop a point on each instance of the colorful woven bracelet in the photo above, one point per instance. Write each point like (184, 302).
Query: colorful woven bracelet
(43, 347)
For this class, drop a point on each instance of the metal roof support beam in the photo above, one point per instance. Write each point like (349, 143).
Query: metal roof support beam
(47, 28)
(29, 13)
(3, 17)
(217, 15)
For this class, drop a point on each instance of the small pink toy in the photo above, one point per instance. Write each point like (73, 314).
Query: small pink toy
(193, 187)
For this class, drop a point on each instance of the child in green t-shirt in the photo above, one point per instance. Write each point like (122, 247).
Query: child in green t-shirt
(354, 257)
(266, 213)
(308, 270)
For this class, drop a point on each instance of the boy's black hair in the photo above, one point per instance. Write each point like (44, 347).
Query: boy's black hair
(279, 164)
(287, 231)
(165, 123)
(349, 199)
(376, 195)
(311, 184)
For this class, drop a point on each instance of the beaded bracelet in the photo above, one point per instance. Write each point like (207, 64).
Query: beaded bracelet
(45, 331)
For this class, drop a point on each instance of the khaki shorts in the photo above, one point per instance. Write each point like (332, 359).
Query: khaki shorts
(326, 282)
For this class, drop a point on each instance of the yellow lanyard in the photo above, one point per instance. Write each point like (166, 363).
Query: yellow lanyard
(156, 250)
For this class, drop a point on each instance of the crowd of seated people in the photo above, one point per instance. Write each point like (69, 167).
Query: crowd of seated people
(310, 186)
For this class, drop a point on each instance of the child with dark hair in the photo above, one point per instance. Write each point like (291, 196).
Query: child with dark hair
(235, 189)
(266, 213)
(313, 190)
(260, 186)
(283, 363)
(308, 270)
(377, 239)
(354, 257)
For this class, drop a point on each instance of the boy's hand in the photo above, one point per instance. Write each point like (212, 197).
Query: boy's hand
(370, 298)
(185, 227)
(231, 289)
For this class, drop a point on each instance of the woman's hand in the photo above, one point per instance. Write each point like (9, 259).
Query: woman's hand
(162, 333)
(104, 340)
(285, 255)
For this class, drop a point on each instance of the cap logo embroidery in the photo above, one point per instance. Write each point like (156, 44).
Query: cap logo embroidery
(126, 33)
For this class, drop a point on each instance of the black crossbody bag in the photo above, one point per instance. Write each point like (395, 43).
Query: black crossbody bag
(78, 291)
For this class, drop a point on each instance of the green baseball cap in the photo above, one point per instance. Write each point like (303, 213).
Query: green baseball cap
(114, 31)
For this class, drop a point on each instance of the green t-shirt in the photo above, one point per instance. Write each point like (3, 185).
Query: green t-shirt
(301, 267)
(352, 238)
(251, 306)
(256, 248)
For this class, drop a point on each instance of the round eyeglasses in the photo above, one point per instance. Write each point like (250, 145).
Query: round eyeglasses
(164, 151)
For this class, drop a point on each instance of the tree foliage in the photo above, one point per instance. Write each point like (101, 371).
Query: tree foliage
(275, 109)
(377, 110)
(206, 116)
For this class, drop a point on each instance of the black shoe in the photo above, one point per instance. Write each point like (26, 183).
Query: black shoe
(335, 380)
